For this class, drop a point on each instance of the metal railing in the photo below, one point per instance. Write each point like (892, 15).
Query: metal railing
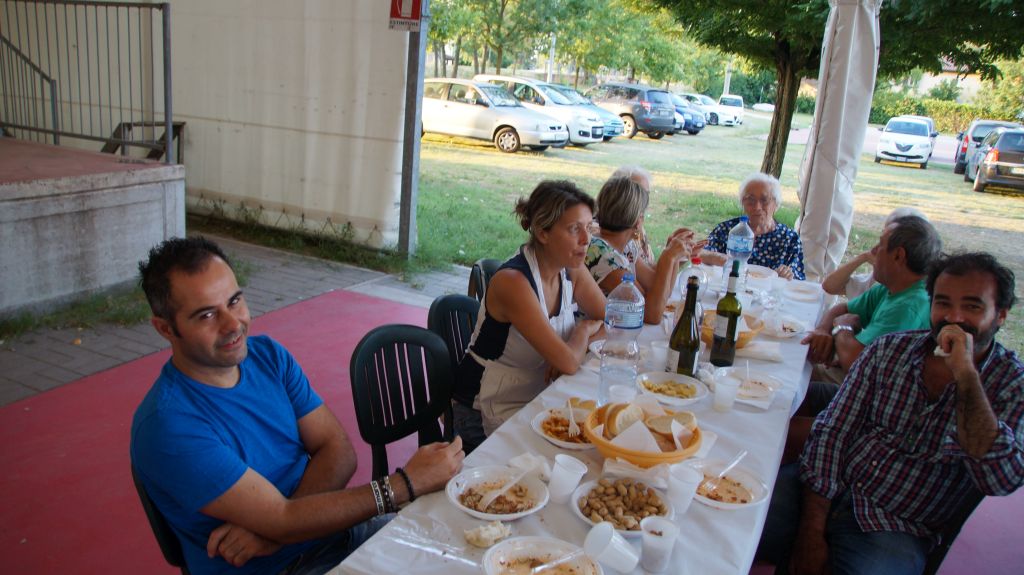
(101, 71)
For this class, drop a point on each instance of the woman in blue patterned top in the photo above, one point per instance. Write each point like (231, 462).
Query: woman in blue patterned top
(776, 245)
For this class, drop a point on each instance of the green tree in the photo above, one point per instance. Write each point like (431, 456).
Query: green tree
(945, 90)
(1004, 95)
(513, 23)
(787, 36)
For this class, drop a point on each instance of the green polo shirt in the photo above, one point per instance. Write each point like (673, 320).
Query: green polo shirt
(882, 312)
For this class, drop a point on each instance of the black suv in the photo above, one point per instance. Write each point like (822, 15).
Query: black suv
(642, 108)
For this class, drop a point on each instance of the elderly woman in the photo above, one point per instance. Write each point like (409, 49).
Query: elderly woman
(615, 250)
(776, 245)
(526, 333)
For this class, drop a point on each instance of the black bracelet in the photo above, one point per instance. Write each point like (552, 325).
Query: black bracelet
(408, 484)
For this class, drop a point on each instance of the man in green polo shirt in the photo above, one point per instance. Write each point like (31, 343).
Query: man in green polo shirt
(898, 302)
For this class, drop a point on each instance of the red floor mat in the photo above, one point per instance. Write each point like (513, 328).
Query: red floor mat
(68, 504)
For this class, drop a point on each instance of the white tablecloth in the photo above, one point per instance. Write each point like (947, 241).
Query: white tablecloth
(427, 536)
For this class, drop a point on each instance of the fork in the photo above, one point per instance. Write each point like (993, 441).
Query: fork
(712, 484)
(490, 497)
(574, 429)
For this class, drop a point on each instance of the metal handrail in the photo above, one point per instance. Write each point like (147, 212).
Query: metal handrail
(101, 61)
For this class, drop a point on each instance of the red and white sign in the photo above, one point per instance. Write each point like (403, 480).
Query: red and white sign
(405, 15)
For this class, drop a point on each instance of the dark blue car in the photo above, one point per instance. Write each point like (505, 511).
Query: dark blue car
(694, 118)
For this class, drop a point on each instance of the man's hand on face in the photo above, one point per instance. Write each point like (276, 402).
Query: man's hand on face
(237, 545)
(957, 349)
(433, 465)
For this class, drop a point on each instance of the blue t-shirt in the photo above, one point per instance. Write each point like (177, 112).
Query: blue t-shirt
(191, 442)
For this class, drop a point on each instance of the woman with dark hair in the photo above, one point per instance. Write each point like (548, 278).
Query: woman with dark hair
(527, 334)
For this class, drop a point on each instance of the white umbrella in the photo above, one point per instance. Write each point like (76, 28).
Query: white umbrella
(846, 81)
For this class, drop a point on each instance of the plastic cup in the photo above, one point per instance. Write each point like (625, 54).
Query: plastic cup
(658, 537)
(683, 481)
(621, 393)
(659, 355)
(610, 548)
(725, 393)
(565, 476)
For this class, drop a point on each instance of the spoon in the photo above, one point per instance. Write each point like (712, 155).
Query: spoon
(490, 497)
(712, 484)
(571, 556)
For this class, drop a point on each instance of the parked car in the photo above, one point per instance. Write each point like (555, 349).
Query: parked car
(905, 140)
(713, 113)
(488, 112)
(612, 123)
(642, 108)
(1000, 160)
(932, 133)
(764, 107)
(968, 140)
(583, 124)
(731, 104)
(694, 118)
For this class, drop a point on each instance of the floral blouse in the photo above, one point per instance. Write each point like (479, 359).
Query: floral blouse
(778, 247)
(603, 259)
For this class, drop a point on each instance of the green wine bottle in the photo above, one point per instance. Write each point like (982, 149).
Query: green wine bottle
(727, 317)
(686, 335)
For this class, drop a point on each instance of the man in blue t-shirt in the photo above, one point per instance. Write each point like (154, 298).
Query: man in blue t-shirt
(234, 446)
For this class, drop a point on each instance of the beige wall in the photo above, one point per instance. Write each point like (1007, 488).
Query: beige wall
(294, 111)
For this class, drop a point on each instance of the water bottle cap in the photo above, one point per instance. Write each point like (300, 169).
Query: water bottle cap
(628, 277)
(744, 218)
(696, 261)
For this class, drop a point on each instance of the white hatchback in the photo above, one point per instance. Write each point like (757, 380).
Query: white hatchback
(585, 127)
(905, 140)
(488, 112)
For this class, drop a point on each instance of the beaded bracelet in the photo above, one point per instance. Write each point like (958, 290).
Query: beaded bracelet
(408, 484)
(390, 501)
(377, 497)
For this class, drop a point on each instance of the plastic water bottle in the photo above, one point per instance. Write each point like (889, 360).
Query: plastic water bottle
(739, 247)
(623, 318)
(694, 268)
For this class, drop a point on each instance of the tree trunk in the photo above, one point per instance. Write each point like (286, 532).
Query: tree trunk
(499, 60)
(785, 103)
(435, 61)
(630, 76)
(487, 55)
(458, 54)
(476, 61)
(444, 60)
(576, 83)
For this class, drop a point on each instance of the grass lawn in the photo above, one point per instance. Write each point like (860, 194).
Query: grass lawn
(468, 189)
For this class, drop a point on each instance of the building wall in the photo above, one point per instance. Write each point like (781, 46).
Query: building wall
(294, 112)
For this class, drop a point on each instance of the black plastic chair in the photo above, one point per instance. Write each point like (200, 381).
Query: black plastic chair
(480, 275)
(401, 384)
(453, 317)
(951, 529)
(170, 546)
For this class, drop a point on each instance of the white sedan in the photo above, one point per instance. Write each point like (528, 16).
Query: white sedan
(488, 112)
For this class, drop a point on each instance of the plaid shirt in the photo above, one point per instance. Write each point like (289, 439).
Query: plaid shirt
(897, 452)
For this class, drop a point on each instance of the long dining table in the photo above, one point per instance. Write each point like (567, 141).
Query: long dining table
(427, 536)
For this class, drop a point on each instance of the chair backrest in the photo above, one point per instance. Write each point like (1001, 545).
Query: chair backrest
(453, 317)
(481, 274)
(401, 384)
(951, 529)
(170, 546)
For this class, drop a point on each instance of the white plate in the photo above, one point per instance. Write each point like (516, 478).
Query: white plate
(802, 290)
(543, 548)
(788, 327)
(758, 489)
(478, 475)
(595, 347)
(663, 376)
(581, 416)
(761, 272)
(760, 385)
(585, 488)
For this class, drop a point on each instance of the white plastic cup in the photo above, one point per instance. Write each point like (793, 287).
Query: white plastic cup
(659, 355)
(621, 393)
(683, 481)
(565, 476)
(725, 393)
(658, 537)
(610, 548)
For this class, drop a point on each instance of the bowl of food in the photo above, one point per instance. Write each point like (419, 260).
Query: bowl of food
(616, 418)
(600, 500)
(553, 425)
(761, 272)
(745, 334)
(740, 488)
(519, 555)
(468, 489)
(671, 388)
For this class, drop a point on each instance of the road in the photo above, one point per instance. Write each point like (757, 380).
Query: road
(945, 146)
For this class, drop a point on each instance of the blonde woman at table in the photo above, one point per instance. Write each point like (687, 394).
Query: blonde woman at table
(615, 250)
(526, 333)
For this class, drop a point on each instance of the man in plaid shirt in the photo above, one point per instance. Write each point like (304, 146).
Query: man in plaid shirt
(922, 418)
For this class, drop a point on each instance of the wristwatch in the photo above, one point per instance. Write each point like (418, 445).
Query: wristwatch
(839, 328)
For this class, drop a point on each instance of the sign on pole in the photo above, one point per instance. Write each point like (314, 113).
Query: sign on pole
(405, 15)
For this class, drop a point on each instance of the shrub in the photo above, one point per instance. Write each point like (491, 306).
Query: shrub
(804, 105)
